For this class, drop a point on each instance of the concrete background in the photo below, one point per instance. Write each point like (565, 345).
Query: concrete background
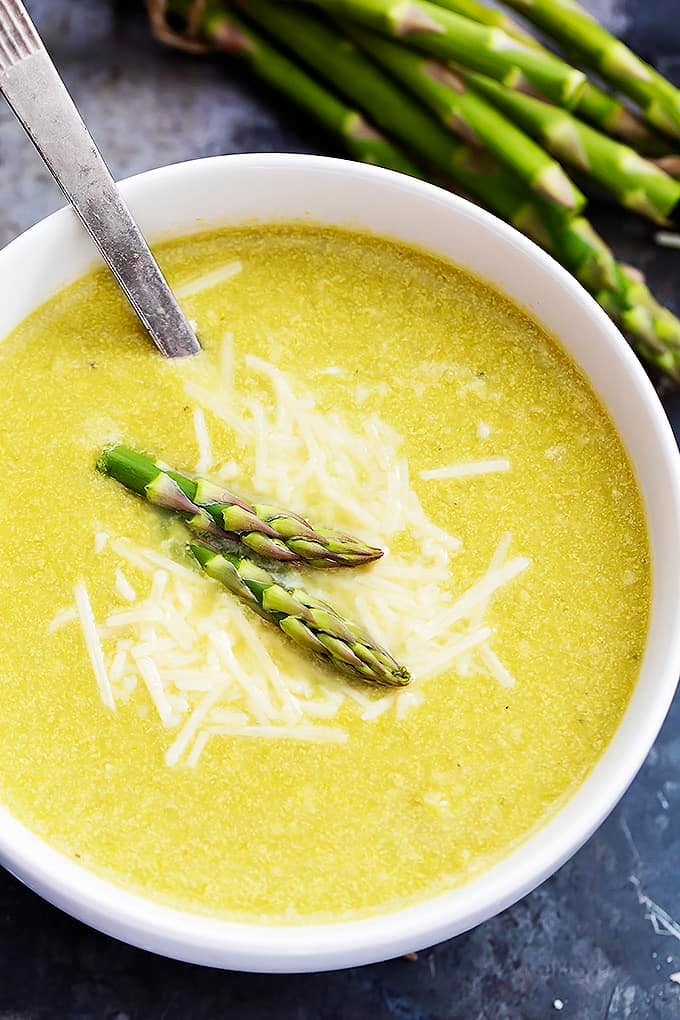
(583, 945)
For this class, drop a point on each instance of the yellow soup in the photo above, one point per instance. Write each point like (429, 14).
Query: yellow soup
(374, 389)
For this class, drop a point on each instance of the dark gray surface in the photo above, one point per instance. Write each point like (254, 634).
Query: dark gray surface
(584, 940)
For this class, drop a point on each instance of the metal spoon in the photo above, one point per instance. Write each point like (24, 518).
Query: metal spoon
(31, 85)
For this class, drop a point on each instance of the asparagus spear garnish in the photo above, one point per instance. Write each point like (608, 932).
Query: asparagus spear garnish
(471, 116)
(636, 182)
(224, 31)
(571, 25)
(210, 509)
(594, 104)
(442, 33)
(312, 624)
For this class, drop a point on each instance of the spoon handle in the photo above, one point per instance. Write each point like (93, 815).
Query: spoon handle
(33, 88)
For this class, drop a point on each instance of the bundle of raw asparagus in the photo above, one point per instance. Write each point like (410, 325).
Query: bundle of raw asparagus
(228, 522)
(458, 90)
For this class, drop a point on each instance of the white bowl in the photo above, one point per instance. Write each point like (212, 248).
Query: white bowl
(193, 196)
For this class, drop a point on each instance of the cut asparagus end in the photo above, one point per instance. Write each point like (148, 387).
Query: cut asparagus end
(131, 469)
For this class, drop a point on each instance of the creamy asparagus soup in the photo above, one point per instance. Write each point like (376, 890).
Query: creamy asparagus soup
(193, 725)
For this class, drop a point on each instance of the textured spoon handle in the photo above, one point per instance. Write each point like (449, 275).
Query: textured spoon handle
(31, 85)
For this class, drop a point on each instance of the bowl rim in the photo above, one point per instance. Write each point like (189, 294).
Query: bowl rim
(335, 944)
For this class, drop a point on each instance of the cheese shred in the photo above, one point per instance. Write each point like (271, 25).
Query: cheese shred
(92, 643)
(205, 457)
(207, 280)
(465, 470)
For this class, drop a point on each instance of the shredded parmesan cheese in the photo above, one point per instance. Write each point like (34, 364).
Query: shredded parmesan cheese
(123, 587)
(198, 748)
(100, 540)
(496, 667)
(190, 728)
(378, 707)
(212, 279)
(406, 701)
(227, 361)
(94, 648)
(209, 668)
(205, 457)
(151, 677)
(315, 734)
(464, 470)
(477, 615)
(118, 666)
(479, 593)
(61, 618)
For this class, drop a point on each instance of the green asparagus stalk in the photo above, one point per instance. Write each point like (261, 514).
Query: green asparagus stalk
(210, 509)
(350, 71)
(568, 23)
(472, 117)
(396, 112)
(594, 104)
(492, 17)
(312, 624)
(224, 31)
(653, 330)
(656, 331)
(571, 240)
(636, 182)
(490, 51)
(612, 117)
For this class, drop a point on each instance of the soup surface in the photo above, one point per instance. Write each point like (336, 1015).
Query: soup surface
(375, 389)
